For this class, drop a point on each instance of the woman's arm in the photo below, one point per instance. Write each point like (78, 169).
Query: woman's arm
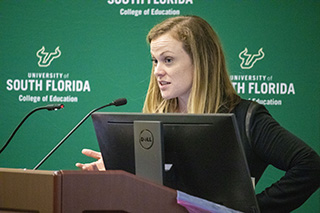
(278, 147)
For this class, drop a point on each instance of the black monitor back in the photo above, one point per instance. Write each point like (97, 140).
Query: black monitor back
(205, 152)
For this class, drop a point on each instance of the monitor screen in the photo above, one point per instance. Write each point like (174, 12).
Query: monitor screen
(203, 153)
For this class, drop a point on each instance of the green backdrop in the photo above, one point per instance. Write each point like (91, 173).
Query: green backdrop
(86, 53)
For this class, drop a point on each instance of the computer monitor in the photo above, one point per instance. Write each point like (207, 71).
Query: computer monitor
(204, 153)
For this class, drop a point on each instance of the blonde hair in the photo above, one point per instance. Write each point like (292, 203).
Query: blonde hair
(211, 90)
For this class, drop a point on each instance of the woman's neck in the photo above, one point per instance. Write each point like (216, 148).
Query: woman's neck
(183, 106)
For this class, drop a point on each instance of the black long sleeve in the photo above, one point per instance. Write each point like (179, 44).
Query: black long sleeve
(274, 145)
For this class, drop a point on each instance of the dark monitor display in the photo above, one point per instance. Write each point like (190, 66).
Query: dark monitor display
(205, 152)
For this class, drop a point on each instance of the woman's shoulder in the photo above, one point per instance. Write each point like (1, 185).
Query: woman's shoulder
(248, 105)
(247, 110)
(242, 106)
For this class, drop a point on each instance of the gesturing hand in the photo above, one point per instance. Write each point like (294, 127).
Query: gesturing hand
(94, 166)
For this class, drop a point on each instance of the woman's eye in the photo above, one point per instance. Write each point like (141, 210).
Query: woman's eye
(154, 61)
(168, 60)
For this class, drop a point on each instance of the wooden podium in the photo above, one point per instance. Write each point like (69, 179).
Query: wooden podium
(80, 191)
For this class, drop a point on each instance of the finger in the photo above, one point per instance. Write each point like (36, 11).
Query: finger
(87, 167)
(91, 153)
(79, 165)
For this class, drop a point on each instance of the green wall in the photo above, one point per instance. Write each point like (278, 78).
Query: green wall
(104, 56)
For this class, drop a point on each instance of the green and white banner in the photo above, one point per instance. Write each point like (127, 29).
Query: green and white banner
(86, 53)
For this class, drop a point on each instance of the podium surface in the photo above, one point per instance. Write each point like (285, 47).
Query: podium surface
(81, 191)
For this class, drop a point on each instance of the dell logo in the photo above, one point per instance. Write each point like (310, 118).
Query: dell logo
(146, 139)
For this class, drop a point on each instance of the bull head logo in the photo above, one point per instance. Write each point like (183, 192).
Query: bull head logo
(248, 60)
(46, 58)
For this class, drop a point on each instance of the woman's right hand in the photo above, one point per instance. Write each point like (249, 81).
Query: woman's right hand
(94, 166)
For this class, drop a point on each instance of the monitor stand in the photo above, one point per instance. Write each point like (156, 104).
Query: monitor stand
(149, 150)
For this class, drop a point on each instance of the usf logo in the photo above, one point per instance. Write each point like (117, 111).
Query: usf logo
(248, 60)
(46, 58)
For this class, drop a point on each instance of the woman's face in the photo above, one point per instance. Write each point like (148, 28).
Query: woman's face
(173, 68)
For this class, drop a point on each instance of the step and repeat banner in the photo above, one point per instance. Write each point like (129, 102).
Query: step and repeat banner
(86, 53)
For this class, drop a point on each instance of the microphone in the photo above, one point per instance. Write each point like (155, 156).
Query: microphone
(55, 107)
(118, 102)
(48, 107)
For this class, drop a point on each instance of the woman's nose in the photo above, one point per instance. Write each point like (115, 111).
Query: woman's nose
(159, 70)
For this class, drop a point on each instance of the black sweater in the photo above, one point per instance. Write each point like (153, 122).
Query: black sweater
(267, 143)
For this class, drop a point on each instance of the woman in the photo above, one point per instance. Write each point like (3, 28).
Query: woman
(189, 76)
